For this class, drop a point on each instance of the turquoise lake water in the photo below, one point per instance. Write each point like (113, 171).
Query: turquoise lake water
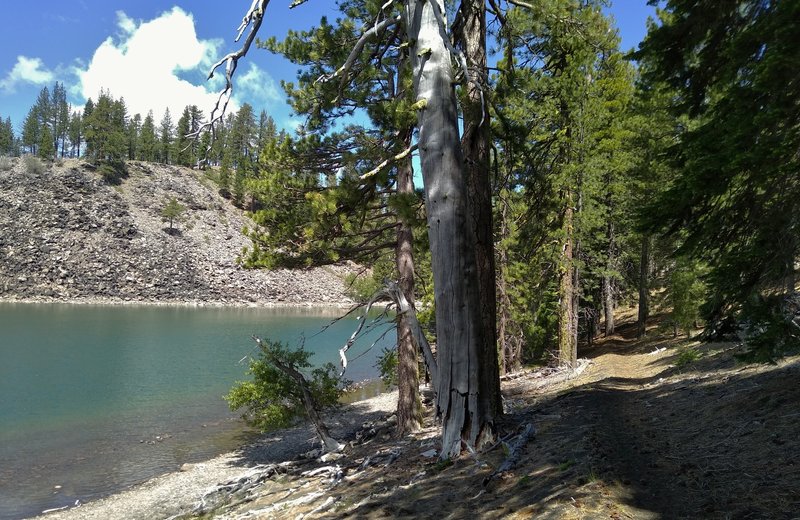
(94, 399)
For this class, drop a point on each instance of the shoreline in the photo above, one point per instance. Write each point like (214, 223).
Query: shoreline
(179, 303)
(177, 492)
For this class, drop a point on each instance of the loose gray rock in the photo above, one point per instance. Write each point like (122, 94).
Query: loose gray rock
(66, 235)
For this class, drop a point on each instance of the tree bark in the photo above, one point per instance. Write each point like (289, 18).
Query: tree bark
(465, 401)
(608, 287)
(475, 144)
(567, 346)
(409, 408)
(644, 288)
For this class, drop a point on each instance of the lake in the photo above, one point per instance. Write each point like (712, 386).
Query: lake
(96, 398)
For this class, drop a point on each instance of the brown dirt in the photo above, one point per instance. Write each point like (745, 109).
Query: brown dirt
(633, 436)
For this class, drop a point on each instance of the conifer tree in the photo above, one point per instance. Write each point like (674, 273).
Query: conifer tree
(148, 139)
(735, 198)
(165, 138)
(134, 136)
(75, 133)
(181, 151)
(7, 138)
(46, 149)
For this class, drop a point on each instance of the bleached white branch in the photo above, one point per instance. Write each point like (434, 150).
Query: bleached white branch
(253, 19)
(402, 155)
(344, 70)
(462, 61)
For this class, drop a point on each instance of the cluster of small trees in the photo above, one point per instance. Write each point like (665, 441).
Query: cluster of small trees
(105, 132)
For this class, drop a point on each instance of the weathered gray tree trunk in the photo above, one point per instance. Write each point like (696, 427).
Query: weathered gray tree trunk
(475, 144)
(644, 288)
(464, 403)
(409, 408)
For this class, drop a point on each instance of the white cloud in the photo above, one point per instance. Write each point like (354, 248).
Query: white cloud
(143, 66)
(258, 86)
(26, 70)
(125, 23)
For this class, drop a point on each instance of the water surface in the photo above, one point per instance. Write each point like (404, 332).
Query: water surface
(94, 399)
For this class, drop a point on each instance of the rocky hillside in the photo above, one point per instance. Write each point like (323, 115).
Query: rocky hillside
(66, 235)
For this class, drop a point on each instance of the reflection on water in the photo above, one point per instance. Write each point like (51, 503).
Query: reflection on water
(97, 398)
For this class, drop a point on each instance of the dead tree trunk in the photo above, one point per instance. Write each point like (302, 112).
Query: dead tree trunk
(465, 401)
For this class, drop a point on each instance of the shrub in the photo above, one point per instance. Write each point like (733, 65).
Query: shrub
(172, 211)
(387, 366)
(5, 163)
(273, 399)
(33, 165)
(686, 357)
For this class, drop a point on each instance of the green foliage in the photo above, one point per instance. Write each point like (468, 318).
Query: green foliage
(687, 356)
(172, 212)
(46, 150)
(772, 328)
(5, 163)
(387, 366)
(272, 399)
(106, 142)
(687, 292)
(736, 204)
(8, 141)
(33, 164)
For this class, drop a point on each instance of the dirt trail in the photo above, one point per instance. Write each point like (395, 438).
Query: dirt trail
(706, 439)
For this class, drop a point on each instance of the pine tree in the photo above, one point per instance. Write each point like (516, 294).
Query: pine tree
(735, 197)
(7, 138)
(31, 131)
(75, 133)
(46, 149)
(134, 131)
(181, 151)
(106, 142)
(148, 139)
(165, 138)
(59, 118)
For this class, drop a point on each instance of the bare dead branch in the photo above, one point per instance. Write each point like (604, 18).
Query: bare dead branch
(519, 3)
(344, 70)
(362, 320)
(402, 155)
(513, 452)
(459, 56)
(253, 19)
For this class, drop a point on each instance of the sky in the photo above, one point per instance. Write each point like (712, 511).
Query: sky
(156, 54)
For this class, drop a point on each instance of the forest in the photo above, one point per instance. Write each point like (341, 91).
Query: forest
(561, 178)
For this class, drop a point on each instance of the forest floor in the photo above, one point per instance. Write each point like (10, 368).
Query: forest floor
(657, 428)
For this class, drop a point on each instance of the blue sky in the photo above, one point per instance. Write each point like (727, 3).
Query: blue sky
(156, 53)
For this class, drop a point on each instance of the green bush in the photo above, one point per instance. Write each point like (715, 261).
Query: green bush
(387, 366)
(273, 399)
(6, 163)
(33, 165)
(686, 357)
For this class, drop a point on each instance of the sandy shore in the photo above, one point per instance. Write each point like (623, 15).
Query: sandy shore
(177, 493)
